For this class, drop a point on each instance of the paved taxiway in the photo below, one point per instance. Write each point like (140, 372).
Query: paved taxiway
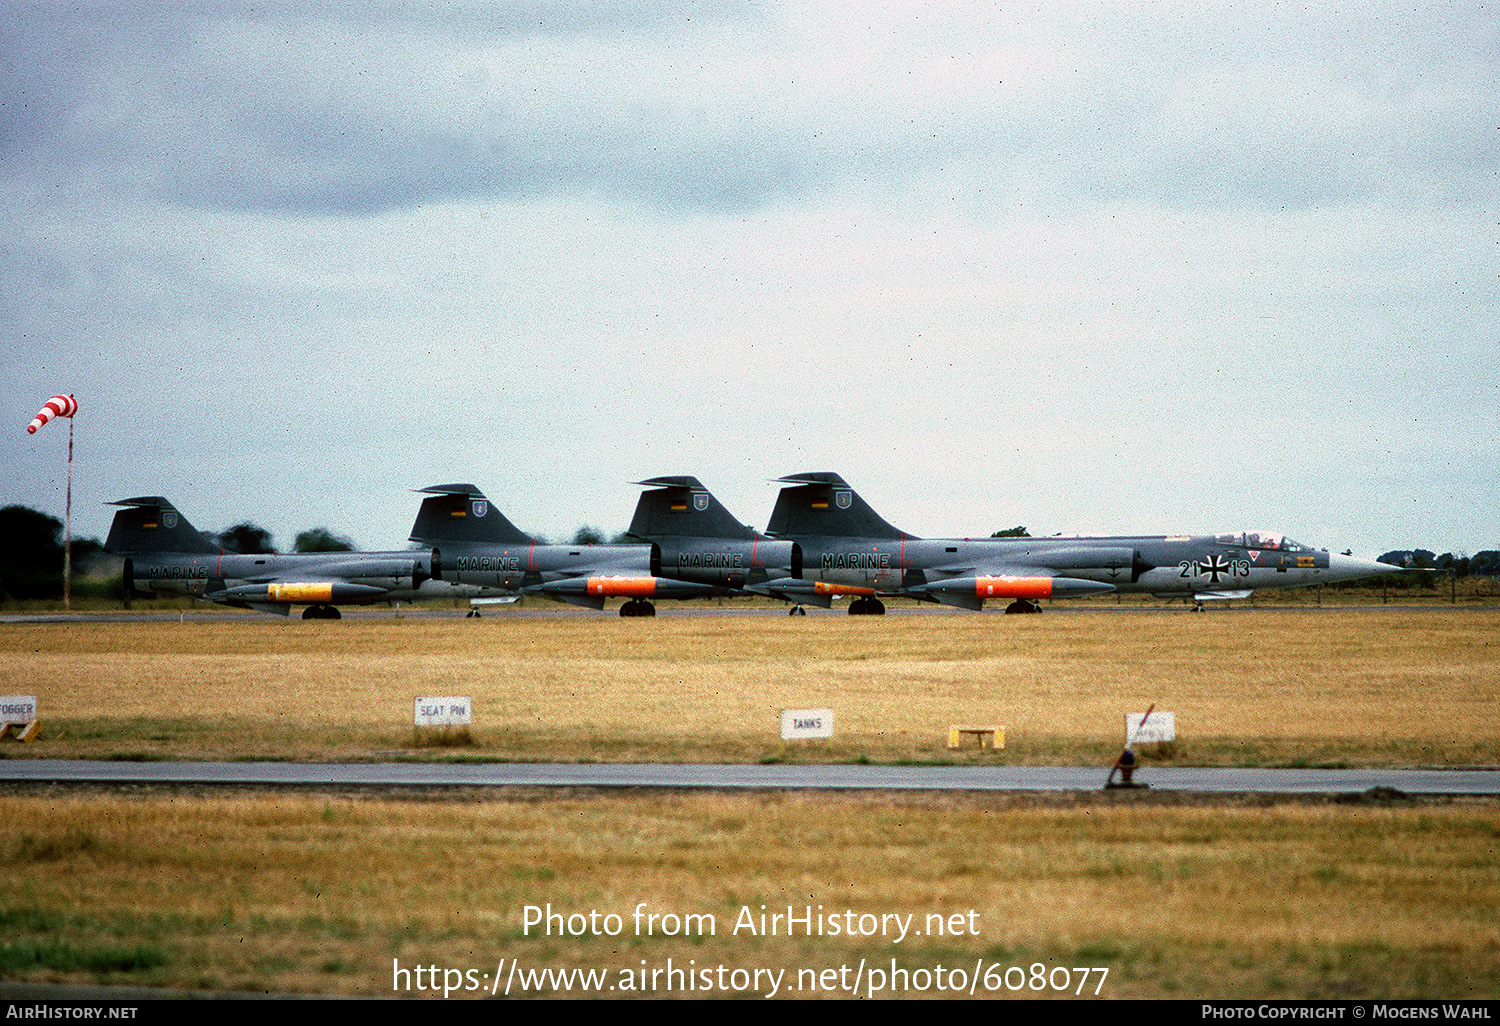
(740, 777)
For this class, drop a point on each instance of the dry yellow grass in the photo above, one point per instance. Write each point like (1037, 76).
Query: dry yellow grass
(330, 895)
(1363, 687)
(322, 893)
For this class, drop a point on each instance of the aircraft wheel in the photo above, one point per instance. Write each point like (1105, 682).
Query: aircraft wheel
(647, 609)
(876, 607)
(332, 613)
(311, 613)
(857, 607)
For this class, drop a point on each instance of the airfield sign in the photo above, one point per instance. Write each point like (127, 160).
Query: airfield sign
(805, 723)
(1162, 726)
(443, 712)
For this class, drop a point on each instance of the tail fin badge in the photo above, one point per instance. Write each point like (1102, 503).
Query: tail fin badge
(480, 507)
(700, 502)
(843, 499)
(169, 519)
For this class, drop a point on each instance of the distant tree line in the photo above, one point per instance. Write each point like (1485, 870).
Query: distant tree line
(1481, 564)
(31, 554)
(249, 539)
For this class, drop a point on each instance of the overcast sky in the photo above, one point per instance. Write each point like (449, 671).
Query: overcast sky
(1083, 267)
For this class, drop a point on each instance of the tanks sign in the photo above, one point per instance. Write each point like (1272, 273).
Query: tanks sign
(804, 723)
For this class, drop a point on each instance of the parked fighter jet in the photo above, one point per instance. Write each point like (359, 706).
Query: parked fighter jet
(847, 547)
(697, 539)
(476, 547)
(165, 554)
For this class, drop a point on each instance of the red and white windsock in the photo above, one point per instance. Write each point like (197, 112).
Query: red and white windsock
(57, 406)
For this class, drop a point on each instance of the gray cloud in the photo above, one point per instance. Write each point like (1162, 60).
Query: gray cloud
(725, 107)
(1127, 267)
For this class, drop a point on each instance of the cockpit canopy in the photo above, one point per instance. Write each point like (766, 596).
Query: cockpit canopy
(1261, 540)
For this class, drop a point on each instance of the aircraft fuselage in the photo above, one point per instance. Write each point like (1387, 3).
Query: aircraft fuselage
(1166, 565)
(276, 580)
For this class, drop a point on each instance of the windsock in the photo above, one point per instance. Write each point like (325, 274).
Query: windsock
(57, 406)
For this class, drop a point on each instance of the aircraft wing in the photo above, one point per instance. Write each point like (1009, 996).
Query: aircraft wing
(1058, 571)
(355, 580)
(592, 588)
(971, 588)
(797, 590)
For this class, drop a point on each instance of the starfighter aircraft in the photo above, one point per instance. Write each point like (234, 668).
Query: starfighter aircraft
(476, 547)
(697, 539)
(848, 548)
(164, 554)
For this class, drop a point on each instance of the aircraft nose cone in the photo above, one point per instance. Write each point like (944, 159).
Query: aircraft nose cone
(1352, 568)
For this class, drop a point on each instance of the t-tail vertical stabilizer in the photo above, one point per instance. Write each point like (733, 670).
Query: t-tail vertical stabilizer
(149, 523)
(681, 506)
(821, 503)
(459, 514)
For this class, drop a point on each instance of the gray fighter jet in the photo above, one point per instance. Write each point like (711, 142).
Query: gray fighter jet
(164, 554)
(848, 548)
(697, 539)
(477, 548)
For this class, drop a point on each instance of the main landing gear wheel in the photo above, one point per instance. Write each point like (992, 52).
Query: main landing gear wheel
(637, 607)
(1023, 606)
(322, 613)
(867, 607)
(796, 611)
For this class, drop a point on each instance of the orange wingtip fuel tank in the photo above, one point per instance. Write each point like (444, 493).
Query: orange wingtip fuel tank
(1013, 587)
(627, 587)
(826, 588)
(635, 587)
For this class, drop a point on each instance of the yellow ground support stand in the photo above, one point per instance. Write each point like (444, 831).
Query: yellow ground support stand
(988, 736)
(24, 731)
